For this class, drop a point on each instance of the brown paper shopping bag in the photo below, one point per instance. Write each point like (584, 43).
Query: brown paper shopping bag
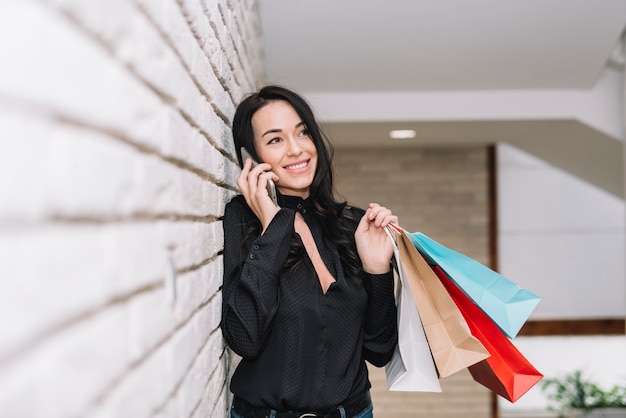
(411, 367)
(449, 337)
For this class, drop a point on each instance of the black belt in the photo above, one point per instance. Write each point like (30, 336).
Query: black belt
(352, 408)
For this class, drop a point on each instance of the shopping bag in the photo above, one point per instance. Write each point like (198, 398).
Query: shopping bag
(451, 343)
(411, 367)
(506, 372)
(507, 304)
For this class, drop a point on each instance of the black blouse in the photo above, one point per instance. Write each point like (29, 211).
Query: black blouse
(301, 349)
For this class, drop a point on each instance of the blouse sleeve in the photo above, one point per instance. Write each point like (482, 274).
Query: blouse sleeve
(251, 272)
(381, 328)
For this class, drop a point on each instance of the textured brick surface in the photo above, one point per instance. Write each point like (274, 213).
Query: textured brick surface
(116, 161)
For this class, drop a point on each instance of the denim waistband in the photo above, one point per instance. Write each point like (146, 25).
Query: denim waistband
(343, 411)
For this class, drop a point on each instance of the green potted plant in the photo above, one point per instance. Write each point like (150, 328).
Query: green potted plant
(575, 396)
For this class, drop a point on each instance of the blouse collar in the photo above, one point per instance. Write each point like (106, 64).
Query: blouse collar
(295, 203)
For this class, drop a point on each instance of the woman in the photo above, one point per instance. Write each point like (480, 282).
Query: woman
(308, 288)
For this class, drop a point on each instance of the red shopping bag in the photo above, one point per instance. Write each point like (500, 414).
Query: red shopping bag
(506, 372)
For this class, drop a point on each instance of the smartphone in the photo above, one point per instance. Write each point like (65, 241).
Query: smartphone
(271, 187)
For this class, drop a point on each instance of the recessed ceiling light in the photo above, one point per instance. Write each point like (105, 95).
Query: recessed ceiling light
(402, 134)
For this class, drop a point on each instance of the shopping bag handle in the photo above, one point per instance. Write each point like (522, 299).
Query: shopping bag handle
(394, 262)
(397, 228)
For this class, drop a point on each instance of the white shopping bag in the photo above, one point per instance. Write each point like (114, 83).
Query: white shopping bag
(411, 368)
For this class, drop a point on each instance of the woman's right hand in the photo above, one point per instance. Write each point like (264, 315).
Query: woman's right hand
(253, 185)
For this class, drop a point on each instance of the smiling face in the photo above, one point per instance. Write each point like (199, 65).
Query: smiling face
(282, 140)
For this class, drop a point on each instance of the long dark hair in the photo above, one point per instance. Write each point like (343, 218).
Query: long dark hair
(337, 221)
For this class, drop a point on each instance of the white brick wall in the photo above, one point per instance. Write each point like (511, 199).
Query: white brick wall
(115, 164)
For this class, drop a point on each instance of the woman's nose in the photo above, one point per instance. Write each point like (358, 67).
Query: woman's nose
(294, 147)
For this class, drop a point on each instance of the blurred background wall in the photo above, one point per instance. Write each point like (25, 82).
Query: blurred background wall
(537, 85)
(444, 193)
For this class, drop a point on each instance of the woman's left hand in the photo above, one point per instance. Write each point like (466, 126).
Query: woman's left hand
(372, 243)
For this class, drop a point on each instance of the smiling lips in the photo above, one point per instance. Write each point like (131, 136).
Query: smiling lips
(297, 166)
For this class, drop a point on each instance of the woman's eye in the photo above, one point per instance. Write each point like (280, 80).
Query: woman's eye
(304, 132)
(274, 140)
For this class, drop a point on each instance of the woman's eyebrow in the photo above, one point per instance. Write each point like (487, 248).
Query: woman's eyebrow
(272, 131)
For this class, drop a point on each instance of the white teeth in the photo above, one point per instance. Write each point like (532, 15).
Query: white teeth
(297, 166)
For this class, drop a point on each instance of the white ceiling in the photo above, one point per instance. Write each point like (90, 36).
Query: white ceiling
(373, 45)
(534, 73)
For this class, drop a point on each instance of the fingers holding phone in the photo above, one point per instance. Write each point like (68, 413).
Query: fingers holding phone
(260, 183)
(256, 183)
(270, 186)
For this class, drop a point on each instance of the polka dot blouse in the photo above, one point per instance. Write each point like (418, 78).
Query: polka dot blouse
(302, 349)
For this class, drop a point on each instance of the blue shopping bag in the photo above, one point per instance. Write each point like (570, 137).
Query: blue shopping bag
(507, 304)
